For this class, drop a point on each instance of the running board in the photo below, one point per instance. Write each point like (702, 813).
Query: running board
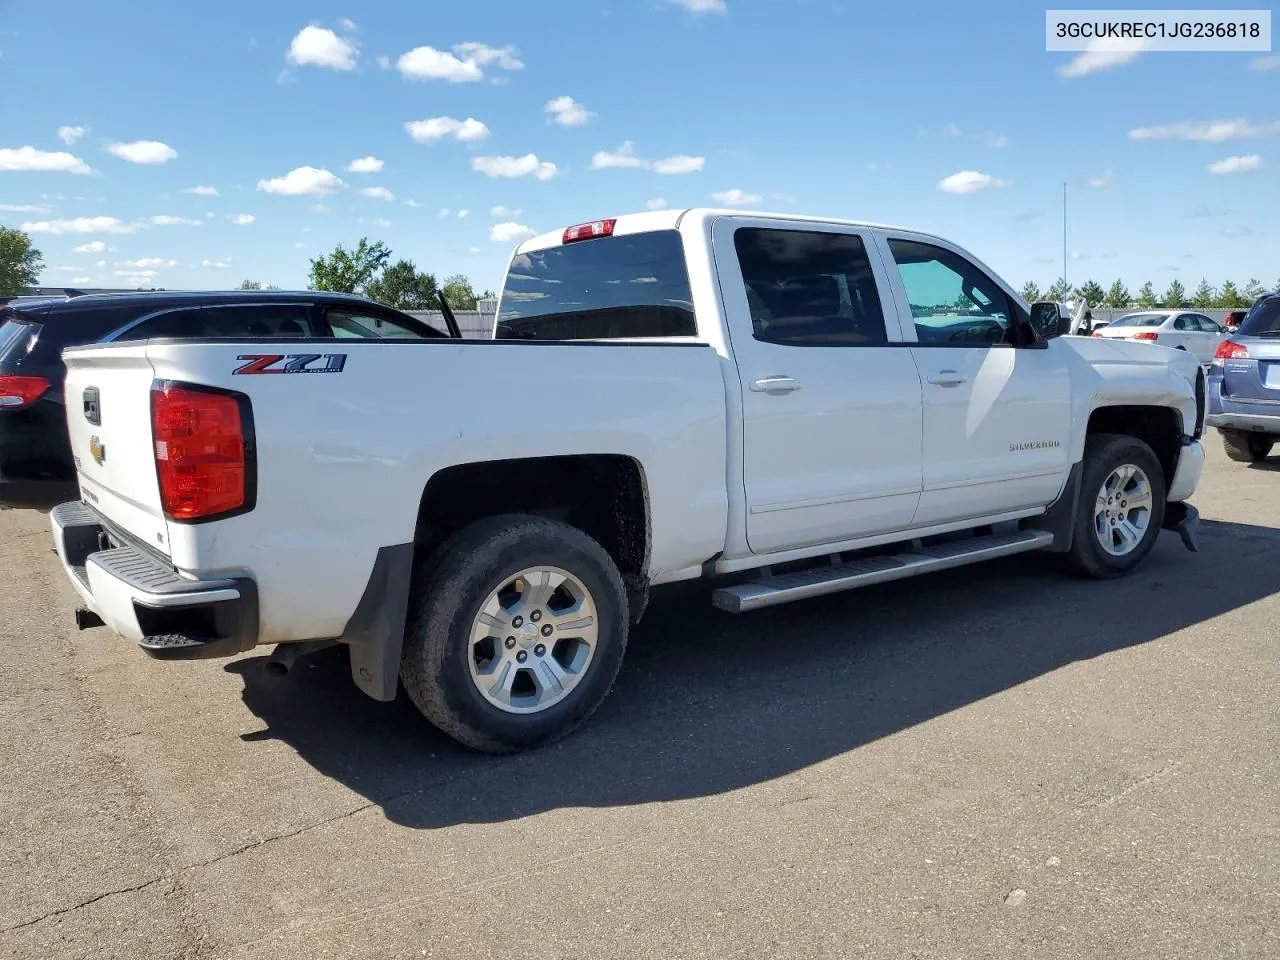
(803, 584)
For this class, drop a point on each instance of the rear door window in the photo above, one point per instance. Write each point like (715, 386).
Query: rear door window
(172, 323)
(17, 337)
(375, 325)
(628, 286)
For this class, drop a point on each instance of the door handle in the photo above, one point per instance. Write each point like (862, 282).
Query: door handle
(948, 378)
(775, 385)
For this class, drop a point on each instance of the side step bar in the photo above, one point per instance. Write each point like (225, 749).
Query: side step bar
(803, 584)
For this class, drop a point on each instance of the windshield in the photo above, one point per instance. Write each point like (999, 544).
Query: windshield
(1139, 320)
(633, 285)
(1263, 320)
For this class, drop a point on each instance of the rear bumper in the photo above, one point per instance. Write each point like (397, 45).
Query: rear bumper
(141, 597)
(1246, 420)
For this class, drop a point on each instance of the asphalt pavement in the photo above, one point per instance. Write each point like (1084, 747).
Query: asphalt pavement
(1001, 761)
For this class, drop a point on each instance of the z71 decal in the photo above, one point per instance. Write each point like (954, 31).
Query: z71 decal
(292, 363)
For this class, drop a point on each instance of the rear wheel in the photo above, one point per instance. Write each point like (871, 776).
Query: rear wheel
(1246, 447)
(518, 630)
(1121, 506)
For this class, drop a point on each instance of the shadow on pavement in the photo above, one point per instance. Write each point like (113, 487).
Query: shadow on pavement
(709, 702)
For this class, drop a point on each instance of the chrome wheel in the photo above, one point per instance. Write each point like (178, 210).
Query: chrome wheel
(1122, 512)
(533, 640)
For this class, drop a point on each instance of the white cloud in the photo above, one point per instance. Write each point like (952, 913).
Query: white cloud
(412, 203)
(70, 135)
(22, 208)
(1102, 54)
(103, 263)
(483, 54)
(319, 208)
(969, 181)
(1271, 62)
(440, 128)
(702, 6)
(139, 277)
(202, 191)
(1234, 232)
(303, 181)
(1236, 164)
(380, 222)
(624, 156)
(93, 246)
(736, 198)
(567, 112)
(80, 225)
(365, 165)
(1210, 131)
(1102, 180)
(428, 63)
(377, 193)
(164, 220)
(347, 25)
(657, 203)
(513, 167)
(146, 262)
(474, 250)
(384, 63)
(299, 245)
(214, 264)
(463, 213)
(505, 212)
(445, 212)
(208, 215)
(321, 47)
(1075, 255)
(29, 158)
(243, 219)
(510, 232)
(149, 152)
(678, 164)
(79, 280)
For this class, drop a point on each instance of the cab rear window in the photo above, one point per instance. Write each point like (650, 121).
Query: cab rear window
(619, 287)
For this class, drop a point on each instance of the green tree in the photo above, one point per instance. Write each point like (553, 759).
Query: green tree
(403, 287)
(1252, 290)
(1092, 293)
(1230, 297)
(250, 285)
(1030, 292)
(1059, 291)
(1204, 295)
(349, 271)
(20, 262)
(1176, 295)
(1147, 297)
(1118, 295)
(458, 293)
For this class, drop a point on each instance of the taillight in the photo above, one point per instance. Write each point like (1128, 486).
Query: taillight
(205, 461)
(1146, 335)
(1098, 335)
(1230, 350)
(586, 231)
(18, 392)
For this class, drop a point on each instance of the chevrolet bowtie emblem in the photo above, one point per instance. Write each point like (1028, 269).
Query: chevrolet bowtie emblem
(97, 449)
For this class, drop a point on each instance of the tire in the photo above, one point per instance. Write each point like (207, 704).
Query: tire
(1245, 447)
(1104, 455)
(441, 666)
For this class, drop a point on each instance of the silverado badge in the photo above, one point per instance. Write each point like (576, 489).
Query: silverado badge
(97, 449)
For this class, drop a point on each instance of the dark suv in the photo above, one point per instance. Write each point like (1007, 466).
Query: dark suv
(36, 466)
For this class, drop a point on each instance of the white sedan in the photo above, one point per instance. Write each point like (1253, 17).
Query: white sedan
(1180, 329)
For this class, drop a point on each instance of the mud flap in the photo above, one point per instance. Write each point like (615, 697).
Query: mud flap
(1184, 520)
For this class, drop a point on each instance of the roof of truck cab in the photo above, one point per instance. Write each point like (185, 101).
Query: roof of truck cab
(171, 298)
(671, 219)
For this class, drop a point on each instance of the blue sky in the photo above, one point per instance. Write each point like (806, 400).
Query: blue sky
(941, 116)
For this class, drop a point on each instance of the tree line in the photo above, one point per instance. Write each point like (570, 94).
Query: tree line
(366, 270)
(1228, 296)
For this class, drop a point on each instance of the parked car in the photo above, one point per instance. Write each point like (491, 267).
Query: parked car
(1180, 329)
(1244, 385)
(784, 406)
(36, 463)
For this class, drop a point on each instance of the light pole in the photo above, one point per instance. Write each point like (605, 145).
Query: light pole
(1064, 238)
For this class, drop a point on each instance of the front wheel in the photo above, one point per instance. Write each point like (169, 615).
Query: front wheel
(1121, 506)
(517, 631)
(1245, 447)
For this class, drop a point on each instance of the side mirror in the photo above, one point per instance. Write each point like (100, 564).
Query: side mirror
(1047, 319)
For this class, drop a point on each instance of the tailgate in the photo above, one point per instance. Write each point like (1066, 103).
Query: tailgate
(108, 397)
(1256, 377)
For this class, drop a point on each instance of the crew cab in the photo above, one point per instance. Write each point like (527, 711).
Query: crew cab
(781, 406)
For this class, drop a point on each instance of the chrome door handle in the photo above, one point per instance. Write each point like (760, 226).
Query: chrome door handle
(948, 378)
(775, 385)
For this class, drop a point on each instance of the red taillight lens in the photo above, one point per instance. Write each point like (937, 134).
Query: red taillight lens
(1098, 335)
(203, 461)
(18, 392)
(1230, 350)
(1146, 335)
(585, 231)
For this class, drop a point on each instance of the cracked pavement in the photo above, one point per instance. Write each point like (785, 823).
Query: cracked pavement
(992, 762)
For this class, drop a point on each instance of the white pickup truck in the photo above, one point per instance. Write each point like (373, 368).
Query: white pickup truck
(783, 406)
